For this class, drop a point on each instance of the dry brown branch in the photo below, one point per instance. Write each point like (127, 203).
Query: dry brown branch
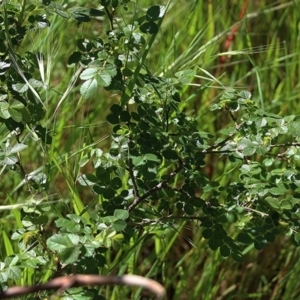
(62, 283)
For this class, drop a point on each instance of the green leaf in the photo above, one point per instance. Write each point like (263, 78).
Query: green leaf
(87, 179)
(296, 238)
(149, 27)
(104, 78)
(155, 13)
(116, 183)
(270, 237)
(20, 87)
(138, 160)
(83, 160)
(110, 69)
(189, 209)
(125, 116)
(43, 134)
(37, 83)
(119, 225)
(4, 65)
(214, 243)
(294, 127)
(207, 233)
(103, 174)
(170, 154)
(96, 12)
(108, 193)
(225, 250)
(247, 147)
(102, 55)
(220, 233)
(152, 157)
(260, 243)
(80, 14)
(288, 204)
(105, 2)
(59, 9)
(74, 58)
(68, 225)
(273, 202)
(89, 88)
(230, 217)
(237, 256)
(117, 241)
(114, 3)
(121, 214)
(17, 148)
(10, 160)
(113, 119)
(3, 50)
(185, 76)
(280, 189)
(245, 95)
(245, 238)
(42, 21)
(4, 113)
(14, 273)
(116, 109)
(15, 114)
(138, 40)
(89, 73)
(60, 242)
(70, 254)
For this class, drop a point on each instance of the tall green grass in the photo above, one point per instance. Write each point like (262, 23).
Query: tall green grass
(264, 58)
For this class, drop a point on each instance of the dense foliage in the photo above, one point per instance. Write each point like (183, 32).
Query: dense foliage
(153, 175)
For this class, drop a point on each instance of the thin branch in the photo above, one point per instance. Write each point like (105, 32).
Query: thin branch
(233, 118)
(62, 283)
(110, 17)
(134, 185)
(163, 220)
(158, 187)
(256, 211)
(235, 150)
(131, 174)
(285, 145)
(220, 151)
(222, 143)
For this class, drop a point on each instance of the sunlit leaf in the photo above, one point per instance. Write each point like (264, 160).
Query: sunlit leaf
(121, 214)
(89, 88)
